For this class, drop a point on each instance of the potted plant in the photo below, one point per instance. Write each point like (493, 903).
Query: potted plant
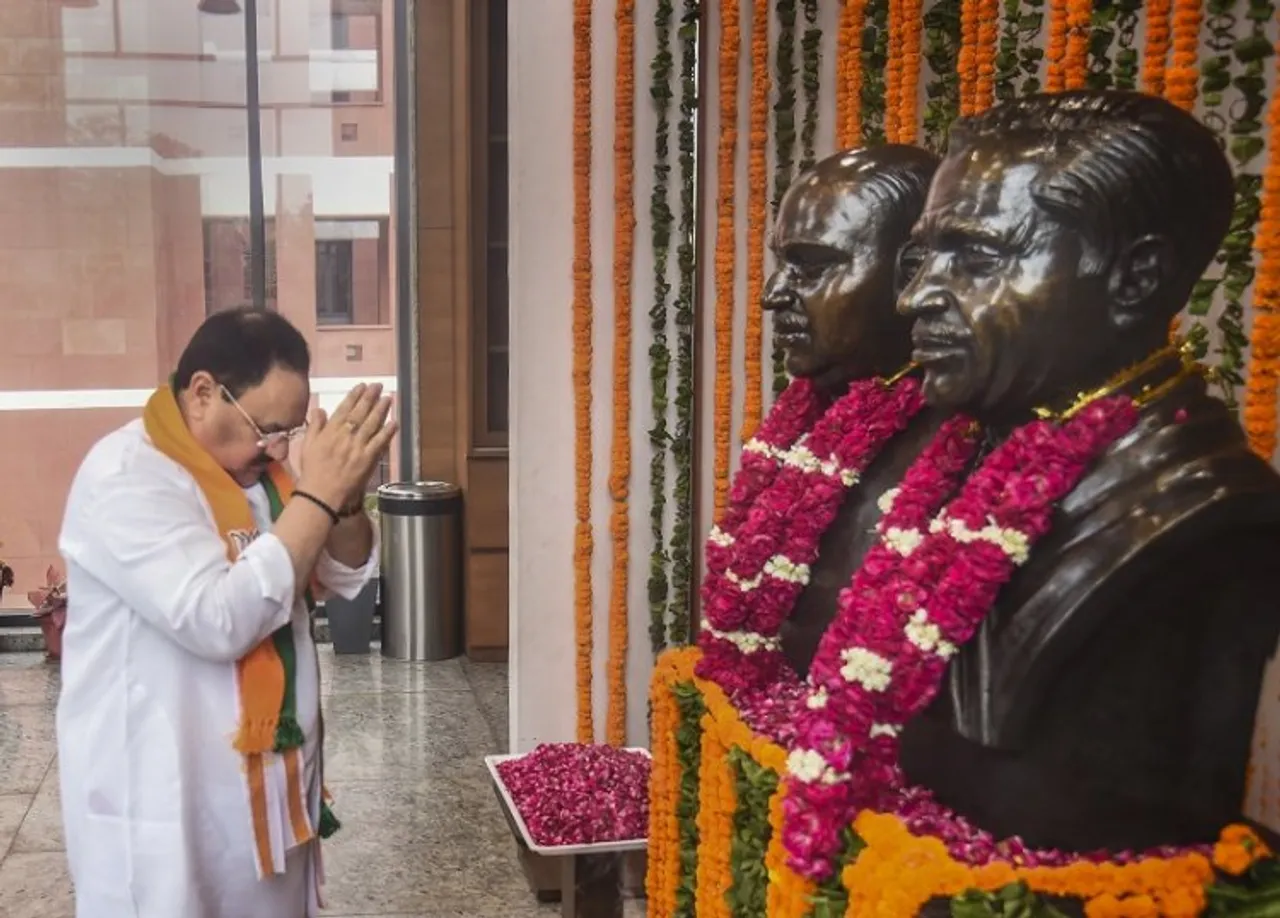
(50, 604)
(6, 578)
(351, 620)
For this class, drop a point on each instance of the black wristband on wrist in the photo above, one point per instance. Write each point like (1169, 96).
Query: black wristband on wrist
(351, 510)
(329, 511)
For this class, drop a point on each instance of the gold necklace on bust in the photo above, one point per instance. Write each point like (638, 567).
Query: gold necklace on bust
(1188, 366)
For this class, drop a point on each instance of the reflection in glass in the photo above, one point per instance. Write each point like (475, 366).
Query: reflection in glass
(125, 206)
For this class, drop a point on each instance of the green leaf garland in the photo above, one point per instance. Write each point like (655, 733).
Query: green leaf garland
(1124, 73)
(1013, 901)
(811, 79)
(659, 353)
(686, 258)
(1102, 34)
(784, 139)
(1246, 145)
(875, 61)
(942, 51)
(689, 758)
(831, 899)
(1019, 55)
(754, 785)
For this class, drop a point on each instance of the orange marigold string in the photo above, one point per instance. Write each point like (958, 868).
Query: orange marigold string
(624, 246)
(842, 75)
(1076, 61)
(1183, 75)
(893, 74)
(1260, 400)
(663, 873)
(1056, 47)
(757, 192)
(1156, 52)
(582, 306)
(850, 68)
(984, 91)
(730, 47)
(717, 801)
(913, 18)
(967, 61)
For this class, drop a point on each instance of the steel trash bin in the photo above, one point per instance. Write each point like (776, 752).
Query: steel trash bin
(421, 570)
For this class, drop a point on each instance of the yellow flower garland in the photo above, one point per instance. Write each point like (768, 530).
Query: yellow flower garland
(624, 246)
(582, 306)
(726, 248)
(897, 872)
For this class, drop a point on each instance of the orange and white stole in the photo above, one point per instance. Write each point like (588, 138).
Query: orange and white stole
(268, 735)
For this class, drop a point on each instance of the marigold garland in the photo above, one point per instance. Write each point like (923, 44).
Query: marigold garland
(1056, 47)
(968, 61)
(664, 832)
(726, 246)
(909, 101)
(582, 309)
(1076, 60)
(660, 219)
(894, 873)
(716, 805)
(624, 229)
(894, 88)
(1183, 73)
(988, 34)
(1156, 52)
(757, 208)
(849, 74)
(1260, 403)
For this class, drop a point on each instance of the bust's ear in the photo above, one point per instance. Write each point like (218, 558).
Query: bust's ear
(1141, 273)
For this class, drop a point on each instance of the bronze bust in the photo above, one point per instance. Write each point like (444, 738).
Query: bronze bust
(1107, 702)
(844, 253)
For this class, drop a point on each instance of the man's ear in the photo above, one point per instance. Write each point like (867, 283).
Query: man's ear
(1141, 273)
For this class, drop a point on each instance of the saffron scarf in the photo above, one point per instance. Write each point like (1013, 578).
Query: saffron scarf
(268, 734)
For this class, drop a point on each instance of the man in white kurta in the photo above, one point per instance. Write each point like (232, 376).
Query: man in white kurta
(153, 793)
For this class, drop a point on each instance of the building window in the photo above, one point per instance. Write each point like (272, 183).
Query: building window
(335, 293)
(228, 263)
(491, 420)
(353, 277)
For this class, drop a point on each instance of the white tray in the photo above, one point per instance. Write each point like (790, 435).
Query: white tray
(491, 762)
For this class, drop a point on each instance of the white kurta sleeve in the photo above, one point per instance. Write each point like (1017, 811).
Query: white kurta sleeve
(347, 582)
(152, 544)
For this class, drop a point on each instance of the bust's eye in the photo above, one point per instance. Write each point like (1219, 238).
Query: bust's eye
(910, 260)
(978, 258)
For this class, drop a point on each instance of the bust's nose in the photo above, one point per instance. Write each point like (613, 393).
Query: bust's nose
(777, 295)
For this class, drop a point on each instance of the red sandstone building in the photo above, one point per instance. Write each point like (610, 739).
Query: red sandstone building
(124, 203)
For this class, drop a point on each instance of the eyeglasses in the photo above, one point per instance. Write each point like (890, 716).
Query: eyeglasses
(265, 440)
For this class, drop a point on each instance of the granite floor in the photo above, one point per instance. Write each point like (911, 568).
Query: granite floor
(422, 833)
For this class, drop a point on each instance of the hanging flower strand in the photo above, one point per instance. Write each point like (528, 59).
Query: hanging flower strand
(582, 306)
(1156, 53)
(1183, 74)
(988, 34)
(1260, 404)
(909, 100)
(757, 205)
(624, 228)
(660, 220)
(968, 60)
(726, 247)
(1056, 50)
(893, 74)
(1076, 60)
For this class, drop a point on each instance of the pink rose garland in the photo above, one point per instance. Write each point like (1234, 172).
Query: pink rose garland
(917, 598)
(759, 556)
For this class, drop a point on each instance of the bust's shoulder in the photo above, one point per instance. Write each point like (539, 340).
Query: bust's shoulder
(1184, 473)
